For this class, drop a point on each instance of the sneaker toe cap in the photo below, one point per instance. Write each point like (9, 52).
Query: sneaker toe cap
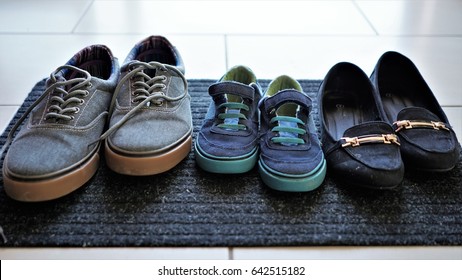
(147, 137)
(42, 156)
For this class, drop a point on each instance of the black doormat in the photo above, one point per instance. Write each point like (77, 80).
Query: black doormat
(189, 207)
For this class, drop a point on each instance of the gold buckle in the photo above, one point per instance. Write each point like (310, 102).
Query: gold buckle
(407, 124)
(357, 141)
(354, 141)
(439, 125)
(403, 124)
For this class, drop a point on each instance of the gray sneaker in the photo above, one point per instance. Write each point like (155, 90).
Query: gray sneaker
(151, 122)
(56, 151)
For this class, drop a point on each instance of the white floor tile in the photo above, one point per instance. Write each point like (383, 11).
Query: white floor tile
(26, 59)
(355, 253)
(414, 17)
(454, 115)
(439, 59)
(6, 114)
(41, 16)
(204, 56)
(114, 253)
(225, 17)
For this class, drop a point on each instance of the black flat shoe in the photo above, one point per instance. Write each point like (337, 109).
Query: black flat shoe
(361, 149)
(428, 142)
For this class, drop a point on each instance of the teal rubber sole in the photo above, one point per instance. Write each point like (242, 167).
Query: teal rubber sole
(293, 184)
(227, 165)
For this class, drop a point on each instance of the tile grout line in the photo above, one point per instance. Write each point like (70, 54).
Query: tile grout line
(301, 35)
(226, 52)
(365, 17)
(81, 18)
(230, 253)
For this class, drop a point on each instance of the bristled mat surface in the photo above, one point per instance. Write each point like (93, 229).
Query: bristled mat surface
(189, 207)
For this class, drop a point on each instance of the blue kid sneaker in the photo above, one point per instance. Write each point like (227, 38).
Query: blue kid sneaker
(291, 158)
(228, 139)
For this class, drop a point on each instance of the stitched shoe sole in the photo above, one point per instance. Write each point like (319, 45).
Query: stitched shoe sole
(226, 166)
(290, 183)
(147, 165)
(56, 187)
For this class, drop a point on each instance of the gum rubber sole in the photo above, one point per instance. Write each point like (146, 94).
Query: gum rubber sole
(291, 184)
(225, 166)
(53, 188)
(148, 165)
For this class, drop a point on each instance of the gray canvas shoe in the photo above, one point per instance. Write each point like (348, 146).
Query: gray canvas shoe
(56, 151)
(151, 122)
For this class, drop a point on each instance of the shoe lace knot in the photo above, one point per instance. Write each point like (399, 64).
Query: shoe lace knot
(148, 89)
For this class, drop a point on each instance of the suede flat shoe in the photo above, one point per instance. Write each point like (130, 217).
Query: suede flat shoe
(360, 148)
(428, 142)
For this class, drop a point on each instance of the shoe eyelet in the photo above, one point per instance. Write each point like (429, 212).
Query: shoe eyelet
(160, 103)
(82, 101)
(77, 109)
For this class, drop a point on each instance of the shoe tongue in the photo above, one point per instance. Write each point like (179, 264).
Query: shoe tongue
(63, 76)
(126, 67)
(417, 113)
(368, 128)
(287, 96)
(233, 88)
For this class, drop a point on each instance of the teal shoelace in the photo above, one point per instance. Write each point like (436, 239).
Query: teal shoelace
(288, 130)
(232, 116)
